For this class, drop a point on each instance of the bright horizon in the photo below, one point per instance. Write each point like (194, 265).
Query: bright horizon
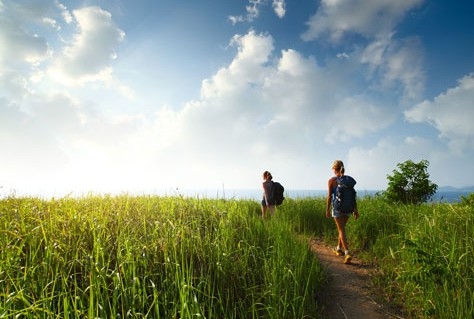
(154, 96)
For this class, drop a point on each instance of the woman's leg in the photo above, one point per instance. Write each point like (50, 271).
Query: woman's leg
(264, 208)
(272, 209)
(341, 228)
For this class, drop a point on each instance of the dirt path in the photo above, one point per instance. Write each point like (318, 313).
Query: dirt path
(348, 294)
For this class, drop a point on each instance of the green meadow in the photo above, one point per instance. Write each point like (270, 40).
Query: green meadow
(178, 257)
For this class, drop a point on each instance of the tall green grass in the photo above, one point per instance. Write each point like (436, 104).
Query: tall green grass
(425, 254)
(176, 257)
(155, 257)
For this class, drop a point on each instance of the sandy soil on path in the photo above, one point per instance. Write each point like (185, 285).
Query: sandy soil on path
(348, 294)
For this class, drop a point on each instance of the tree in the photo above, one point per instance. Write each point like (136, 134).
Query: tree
(410, 185)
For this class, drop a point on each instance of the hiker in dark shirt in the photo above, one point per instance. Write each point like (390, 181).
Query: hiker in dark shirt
(340, 218)
(268, 202)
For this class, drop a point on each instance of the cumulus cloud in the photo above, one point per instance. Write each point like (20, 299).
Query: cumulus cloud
(293, 93)
(393, 64)
(45, 129)
(263, 102)
(396, 63)
(37, 47)
(451, 113)
(369, 18)
(284, 111)
(24, 30)
(22, 49)
(247, 110)
(252, 108)
(93, 47)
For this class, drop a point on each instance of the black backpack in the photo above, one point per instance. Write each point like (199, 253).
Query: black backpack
(345, 195)
(277, 192)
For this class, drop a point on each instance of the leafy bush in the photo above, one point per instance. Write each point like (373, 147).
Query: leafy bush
(410, 185)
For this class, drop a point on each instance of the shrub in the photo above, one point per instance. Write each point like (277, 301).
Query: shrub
(410, 185)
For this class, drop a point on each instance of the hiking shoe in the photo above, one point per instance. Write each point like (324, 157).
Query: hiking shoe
(338, 252)
(348, 258)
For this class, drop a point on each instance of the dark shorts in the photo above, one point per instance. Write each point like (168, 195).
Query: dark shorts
(270, 202)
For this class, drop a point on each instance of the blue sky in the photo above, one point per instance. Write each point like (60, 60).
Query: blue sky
(152, 96)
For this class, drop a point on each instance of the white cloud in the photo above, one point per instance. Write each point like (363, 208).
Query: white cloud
(253, 108)
(395, 66)
(451, 114)
(357, 117)
(370, 166)
(87, 58)
(259, 112)
(370, 18)
(283, 111)
(396, 62)
(279, 7)
(253, 10)
(32, 34)
(19, 47)
(39, 12)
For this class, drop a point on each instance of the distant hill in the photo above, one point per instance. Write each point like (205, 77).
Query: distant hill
(455, 189)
